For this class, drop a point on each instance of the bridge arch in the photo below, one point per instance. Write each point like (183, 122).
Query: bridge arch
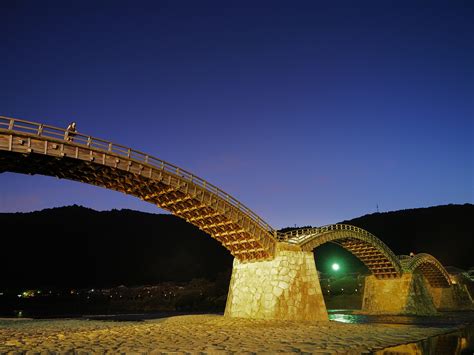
(377, 256)
(429, 266)
(34, 148)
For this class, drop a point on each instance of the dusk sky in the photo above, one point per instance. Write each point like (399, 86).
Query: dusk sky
(308, 112)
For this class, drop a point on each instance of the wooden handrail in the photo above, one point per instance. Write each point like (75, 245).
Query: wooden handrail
(39, 129)
(318, 230)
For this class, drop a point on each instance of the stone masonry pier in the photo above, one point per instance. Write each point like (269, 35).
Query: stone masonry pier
(454, 298)
(286, 287)
(408, 294)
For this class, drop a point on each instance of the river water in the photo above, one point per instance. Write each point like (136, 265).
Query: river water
(453, 343)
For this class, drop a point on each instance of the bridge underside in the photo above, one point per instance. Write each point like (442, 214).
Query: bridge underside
(370, 251)
(373, 258)
(429, 266)
(433, 275)
(201, 209)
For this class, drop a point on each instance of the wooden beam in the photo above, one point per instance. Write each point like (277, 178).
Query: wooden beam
(218, 224)
(201, 217)
(175, 201)
(237, 242)
(248, 251)
(190, 209)
(231, 232)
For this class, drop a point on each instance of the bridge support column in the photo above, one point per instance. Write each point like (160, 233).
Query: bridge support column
(453, 298)
(408, 294)
(286, 287)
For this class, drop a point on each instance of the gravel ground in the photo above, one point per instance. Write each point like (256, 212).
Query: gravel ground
(205, 334)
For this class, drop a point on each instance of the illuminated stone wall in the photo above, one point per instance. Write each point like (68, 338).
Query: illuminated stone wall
(455, 298)
(286, 287)
(406, 295)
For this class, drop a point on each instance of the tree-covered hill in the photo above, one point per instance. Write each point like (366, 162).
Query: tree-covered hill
(79, 247)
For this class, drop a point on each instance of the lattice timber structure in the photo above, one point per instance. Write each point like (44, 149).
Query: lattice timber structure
(429, 266)
(377, 256)
(34, 148)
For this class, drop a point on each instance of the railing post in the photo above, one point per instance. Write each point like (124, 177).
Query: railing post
(11, 124)
(110, 147)
(40, 130)
(89, 141)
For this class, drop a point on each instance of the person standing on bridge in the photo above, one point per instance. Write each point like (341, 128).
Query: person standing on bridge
(71, 131)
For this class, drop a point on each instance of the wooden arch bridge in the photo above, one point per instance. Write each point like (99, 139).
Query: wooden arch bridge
(35, 148)
(377, 256)
(429, 266)
(374, 253)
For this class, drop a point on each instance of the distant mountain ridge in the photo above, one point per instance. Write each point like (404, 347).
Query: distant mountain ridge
(75, 246)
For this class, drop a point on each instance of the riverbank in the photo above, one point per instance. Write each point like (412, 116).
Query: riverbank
(207, 334)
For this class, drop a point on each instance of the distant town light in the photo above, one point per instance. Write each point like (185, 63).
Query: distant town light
(28, 293)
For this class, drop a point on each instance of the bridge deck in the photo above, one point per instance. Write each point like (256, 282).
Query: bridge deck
(32, 148)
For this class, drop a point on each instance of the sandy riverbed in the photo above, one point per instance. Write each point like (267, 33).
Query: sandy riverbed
(204, 334)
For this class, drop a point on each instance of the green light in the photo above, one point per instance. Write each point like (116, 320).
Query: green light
(335, 266)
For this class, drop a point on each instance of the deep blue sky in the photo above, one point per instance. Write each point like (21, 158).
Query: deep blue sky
(309, 112)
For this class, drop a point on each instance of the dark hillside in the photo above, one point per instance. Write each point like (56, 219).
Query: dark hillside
(446, 232)
(79, 247)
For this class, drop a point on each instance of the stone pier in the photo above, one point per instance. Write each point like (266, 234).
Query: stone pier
(454, 298)
(408, 294)
(286, 287)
